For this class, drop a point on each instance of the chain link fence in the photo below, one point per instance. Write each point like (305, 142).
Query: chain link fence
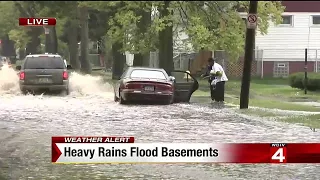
(182, 60)
(272, 62)
(266, 63)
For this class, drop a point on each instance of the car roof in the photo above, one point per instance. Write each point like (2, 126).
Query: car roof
(45, 54)
(146, 68)
(131, 69)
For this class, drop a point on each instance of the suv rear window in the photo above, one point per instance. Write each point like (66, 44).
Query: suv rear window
(44, 63)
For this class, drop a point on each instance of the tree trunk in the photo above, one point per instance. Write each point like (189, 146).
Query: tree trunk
(73, 45)
(85, 63)
(108, 52)
(142, 58)
(22, 53)
(7, 48)
(54, 40)
(166, 42)
(147, 21)
(33, 47)
(118, 60)
(138, 60)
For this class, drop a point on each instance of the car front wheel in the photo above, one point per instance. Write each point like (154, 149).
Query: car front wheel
(116, 99)
(121, 100)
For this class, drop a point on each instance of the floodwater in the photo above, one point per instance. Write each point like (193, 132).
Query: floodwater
(27, 123)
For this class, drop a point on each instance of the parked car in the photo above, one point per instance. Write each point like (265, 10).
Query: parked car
(43, 72)
(154, 85)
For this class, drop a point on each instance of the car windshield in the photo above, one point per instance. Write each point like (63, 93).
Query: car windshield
(44, 63)
(150, 74)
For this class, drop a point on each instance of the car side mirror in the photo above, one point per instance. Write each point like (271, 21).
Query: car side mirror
(171, 78)
(18, 68)
(69, 67)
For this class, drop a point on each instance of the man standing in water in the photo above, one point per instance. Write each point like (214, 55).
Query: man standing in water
(217, 74)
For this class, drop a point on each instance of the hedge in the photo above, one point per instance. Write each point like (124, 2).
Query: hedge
(296, 80)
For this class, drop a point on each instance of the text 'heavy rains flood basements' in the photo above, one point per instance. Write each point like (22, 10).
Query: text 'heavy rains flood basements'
(140, 152)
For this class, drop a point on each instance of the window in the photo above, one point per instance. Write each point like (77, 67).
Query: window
(149, 74)
(287, 20)
(44, 63)
(281, 69)
(316, 20)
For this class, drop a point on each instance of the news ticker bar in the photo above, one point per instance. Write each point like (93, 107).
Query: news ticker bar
(124, 150)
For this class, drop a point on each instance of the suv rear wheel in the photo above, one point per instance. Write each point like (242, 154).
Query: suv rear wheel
(24, 92)
(65, 92)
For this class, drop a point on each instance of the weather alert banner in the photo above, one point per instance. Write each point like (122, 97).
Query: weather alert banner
(123, 150)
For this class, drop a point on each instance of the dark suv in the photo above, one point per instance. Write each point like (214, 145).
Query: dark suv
(44, 72)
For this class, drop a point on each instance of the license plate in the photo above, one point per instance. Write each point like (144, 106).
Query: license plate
(44, 80)
(149, 88)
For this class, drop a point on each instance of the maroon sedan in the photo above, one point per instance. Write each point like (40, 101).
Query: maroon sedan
(154, 85)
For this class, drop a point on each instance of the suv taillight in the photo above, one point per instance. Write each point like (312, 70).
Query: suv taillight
(22, 75)
(65, 75)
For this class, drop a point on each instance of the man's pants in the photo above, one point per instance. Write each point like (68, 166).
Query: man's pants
(217, 94)
(212, 91)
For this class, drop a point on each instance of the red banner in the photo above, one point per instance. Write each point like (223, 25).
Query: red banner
(276, 153)
(75, 149)
(37, 21)
(92, 139)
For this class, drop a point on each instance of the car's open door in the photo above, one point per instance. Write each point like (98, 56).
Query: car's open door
(185, 85)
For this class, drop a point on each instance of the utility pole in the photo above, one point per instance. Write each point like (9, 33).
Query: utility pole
(47, 39)
(249, 54)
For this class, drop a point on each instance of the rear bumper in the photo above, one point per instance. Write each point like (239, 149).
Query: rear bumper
(49, 87)
(145, 96)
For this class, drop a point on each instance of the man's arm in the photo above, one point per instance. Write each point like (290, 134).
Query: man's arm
(207, 73)
(221, 70)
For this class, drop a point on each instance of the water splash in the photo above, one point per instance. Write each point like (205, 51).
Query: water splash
(80, 85)
(87, 85)
(9, 80)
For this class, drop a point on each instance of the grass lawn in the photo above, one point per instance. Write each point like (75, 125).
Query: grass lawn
(259, 113)
(310, 120)
(267, 93)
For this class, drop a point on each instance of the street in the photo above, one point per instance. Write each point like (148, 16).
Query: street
(28, 122)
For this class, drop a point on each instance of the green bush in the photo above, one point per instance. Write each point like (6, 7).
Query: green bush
(296, 80)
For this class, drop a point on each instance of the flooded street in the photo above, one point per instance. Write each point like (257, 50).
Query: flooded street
(28, 122)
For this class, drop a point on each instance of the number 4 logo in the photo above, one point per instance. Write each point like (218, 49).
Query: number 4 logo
(278, 155)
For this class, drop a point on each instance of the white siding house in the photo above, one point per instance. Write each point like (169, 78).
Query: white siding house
(282, 49)
(287, 41)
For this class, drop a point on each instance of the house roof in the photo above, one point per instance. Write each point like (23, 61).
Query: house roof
(301, 6)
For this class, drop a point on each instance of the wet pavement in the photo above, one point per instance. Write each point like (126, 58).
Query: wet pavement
(28, 122)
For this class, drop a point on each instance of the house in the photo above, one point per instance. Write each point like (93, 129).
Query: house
(282, 51)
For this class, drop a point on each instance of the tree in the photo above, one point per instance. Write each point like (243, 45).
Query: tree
(209, 25)
(141, 58)
(217, 24)
(30, 9)
(116, 32)
(67, 29)
(84, 34)
(166, 38)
